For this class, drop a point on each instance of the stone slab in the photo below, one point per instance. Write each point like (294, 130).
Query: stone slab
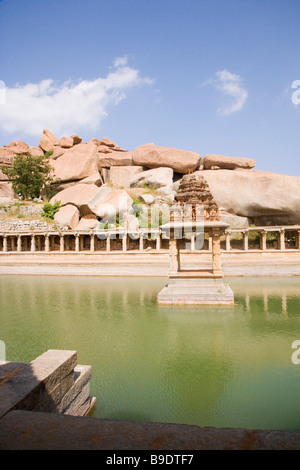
(34, 382)
(196, 291)
(44, 431)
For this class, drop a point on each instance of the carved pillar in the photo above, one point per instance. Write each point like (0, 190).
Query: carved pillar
(245, 240)
(4, 243)
(216, 264)
(193, 236)
(47, 243)
(32, 247)
(228, 247)
(141, 242)
(92, 242)
(61, 243)
(124, 242)
(263, 240)
(298, 239)
(107, 242)
(174, 254)
(210, 243)
(281, 241)
(19, 243)
(77, 242)
(158, 242)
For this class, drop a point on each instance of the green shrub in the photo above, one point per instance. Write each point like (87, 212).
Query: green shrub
(49, 210)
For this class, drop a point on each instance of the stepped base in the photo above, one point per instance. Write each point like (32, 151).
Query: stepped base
(196, 291)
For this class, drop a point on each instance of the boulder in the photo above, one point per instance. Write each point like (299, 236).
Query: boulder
(131, 223)
(3, 176)
(35, 151)
(6, 190)
(76, 163)
(153, 156)
(58, 152)
(18, 147)
(66, 142)
(147, 198)
(79, 195)
(67, 216)
(95, 178)
(230, 163)
(154, 178)
(235, 221)
(115, 203)
(265, 197)
(87, 223)
(115, 159)
(76, 139)
(119, 176)
(109, 143)
(48, 141)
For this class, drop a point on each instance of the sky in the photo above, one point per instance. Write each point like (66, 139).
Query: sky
(210, 76)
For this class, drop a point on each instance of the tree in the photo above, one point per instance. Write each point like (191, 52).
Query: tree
(29, 175)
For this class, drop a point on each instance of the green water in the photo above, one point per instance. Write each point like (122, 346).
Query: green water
(205, 366)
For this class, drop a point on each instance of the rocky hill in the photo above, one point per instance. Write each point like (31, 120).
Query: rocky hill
(92, 176)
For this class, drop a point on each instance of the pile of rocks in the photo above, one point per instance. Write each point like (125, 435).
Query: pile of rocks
(98, 174)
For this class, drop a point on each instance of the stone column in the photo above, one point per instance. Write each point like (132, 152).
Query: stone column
(193, 236)
(108, 242)
(245, 240)
(77, 242)
(81, 243)
(124, 242)
(298, 239)
(92, 242)
(210, 243)
(141, 242)
(4, 243)
(216, 264)
(32, 247)
(19, 243)
(263, 240)
(228, 247)
(47, 243)
(61, 243)
(174, 254)
(281, 242)
(158, 242)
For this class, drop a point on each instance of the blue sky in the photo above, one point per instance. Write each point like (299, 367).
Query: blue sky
(211, 76)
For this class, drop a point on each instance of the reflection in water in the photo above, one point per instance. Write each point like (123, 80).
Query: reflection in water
(214, 366)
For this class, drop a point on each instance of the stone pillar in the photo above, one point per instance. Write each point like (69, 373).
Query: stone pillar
(47, 243)
(13, 245)
(61, 243)
(245, 240)
(228, 247)
(216, 264)
(174, 253)
(77, 242)
(210, 243)
(39, 241)
(141, 242)
(4, 243)
(108, 242)
(263, 240)
(193, 236)
(158, 242)
(297, 235)
(281, 242)
(124, 242)
(81, 243)
(19, 243)
(92, 242)
(32, 247)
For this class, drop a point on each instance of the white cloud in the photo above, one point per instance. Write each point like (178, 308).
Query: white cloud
(68, 107)
(230, 85)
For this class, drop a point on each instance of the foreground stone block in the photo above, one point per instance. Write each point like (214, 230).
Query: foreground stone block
(43, 431)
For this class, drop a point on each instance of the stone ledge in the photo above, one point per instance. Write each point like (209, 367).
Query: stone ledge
(44, 431)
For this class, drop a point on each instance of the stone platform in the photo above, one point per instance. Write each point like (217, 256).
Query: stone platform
(196, 288)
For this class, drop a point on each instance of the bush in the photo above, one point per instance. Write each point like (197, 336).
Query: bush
(49, 210)
(29, 175)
